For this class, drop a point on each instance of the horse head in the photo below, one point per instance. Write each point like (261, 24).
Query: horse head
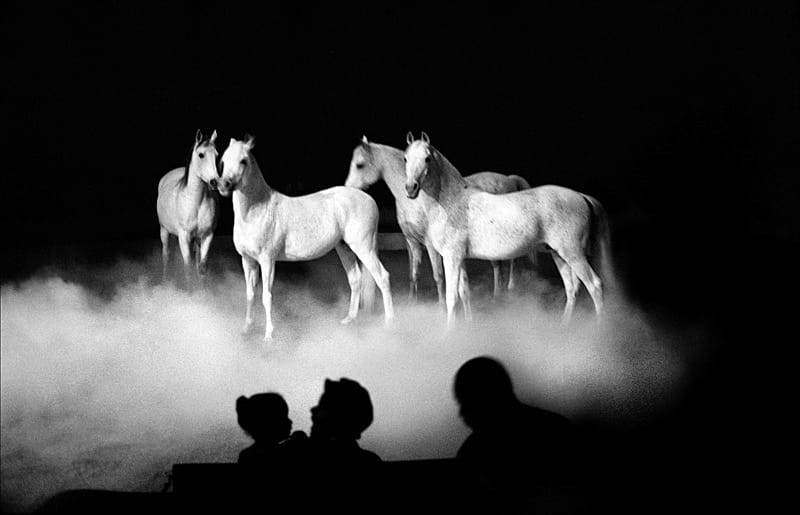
(418, 156)
(364, 170)
(234, 164)
(203, 162)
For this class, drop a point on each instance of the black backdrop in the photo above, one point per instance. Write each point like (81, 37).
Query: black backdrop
(680, 116)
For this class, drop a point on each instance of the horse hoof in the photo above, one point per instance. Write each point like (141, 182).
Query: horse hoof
(346, 320)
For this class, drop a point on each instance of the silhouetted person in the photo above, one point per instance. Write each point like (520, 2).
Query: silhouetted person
(265, 418)
(338, 472)
(517, 454)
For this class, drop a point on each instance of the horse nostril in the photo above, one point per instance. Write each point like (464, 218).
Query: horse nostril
(213, 183)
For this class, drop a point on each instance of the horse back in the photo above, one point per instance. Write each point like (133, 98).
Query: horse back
(313, 224)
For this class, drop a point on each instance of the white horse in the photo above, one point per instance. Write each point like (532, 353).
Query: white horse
(269, 227)
(188, 208)
(372, 162)
(465, 222)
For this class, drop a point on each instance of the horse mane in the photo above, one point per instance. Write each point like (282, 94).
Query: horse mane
(185, 177)
(448, 170)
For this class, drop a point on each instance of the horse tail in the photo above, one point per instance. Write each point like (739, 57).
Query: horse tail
(600, 244)
(520, 182)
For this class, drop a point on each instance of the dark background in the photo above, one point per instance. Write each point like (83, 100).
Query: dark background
(680, 116)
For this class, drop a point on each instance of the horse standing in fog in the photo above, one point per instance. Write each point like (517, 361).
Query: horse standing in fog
(497, 183)
(466, 222)
(269, 227)
(372, 162)
(188, 208)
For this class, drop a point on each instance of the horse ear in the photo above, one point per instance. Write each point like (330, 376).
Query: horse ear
(198, 137)
(364, 140)
(213, 137)
(409, 138)
(425, 138)
(249, 142)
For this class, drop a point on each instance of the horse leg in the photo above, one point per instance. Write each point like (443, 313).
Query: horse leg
(452, 270)
(589, 279)
(496, 276)
(202, 256)
(350, 264)
(511, 283)
(369, 257)
(184, 240)
(164, 253)
(267, 277)
(570, 285)
(463, 293)
(436, 266)
(414, 260)
(250, 267)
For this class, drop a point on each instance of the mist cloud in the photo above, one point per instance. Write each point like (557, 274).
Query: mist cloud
(107, 387)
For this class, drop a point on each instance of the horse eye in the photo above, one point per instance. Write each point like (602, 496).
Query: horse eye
(201, 155)
(244, 162)
(404, 159)
(360, 166)
(428, 159)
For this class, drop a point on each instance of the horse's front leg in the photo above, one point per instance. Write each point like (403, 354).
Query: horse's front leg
(453, 263)
(436, 266)
(185, 242)
(202, 257)
(414, 260)
(267, 278)
(250, 267)
(463, 293)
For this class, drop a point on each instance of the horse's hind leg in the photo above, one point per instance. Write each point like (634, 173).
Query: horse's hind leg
(589, 279)
(570, 285)
(350, 264)
(267, 278)
(164, 253)
(511, 283)
(369, 257)
(414, 260)
(438, 273)
(496, 276)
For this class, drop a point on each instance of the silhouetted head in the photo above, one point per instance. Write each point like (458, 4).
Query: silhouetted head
(343, 412)
(264, 416)
(418, 156)
(484, 391)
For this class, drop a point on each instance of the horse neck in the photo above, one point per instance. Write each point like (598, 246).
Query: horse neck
(195, 189)
(392, 169)
(253, 191)
(450, 182)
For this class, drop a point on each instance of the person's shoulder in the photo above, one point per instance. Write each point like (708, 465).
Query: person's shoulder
(369, 458)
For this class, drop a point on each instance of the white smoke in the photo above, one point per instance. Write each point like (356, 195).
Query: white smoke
(107, 387)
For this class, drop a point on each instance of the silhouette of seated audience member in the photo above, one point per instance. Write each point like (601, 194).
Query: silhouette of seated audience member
(517, 454)
(338, 472)
(265, 418)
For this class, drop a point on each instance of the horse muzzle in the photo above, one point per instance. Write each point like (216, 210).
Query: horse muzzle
(412, 190)
(225, 187)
